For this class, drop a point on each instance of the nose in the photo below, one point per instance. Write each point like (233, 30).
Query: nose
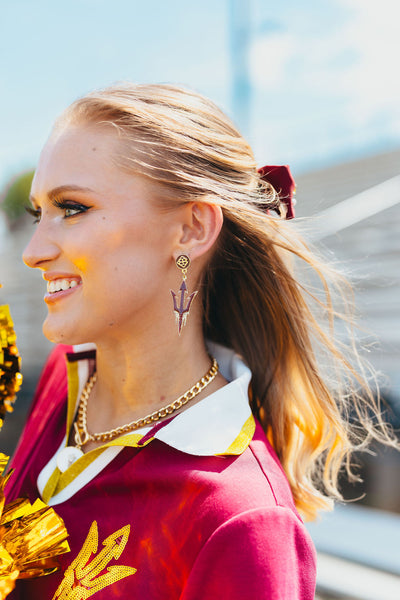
(41, 249)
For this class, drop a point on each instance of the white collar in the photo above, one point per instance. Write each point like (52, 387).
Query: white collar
(220, 424)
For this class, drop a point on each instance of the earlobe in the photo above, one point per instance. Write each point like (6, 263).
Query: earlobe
(201, 228)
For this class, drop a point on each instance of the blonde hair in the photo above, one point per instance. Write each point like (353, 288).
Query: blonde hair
(253, 300)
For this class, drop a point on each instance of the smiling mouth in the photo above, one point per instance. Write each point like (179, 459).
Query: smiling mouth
(61, 285)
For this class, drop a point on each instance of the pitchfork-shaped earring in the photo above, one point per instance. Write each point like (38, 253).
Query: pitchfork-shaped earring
(181, 311)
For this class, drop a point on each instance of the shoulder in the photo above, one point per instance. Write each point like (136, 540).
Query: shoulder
(50, 391)
(53, 376)
(47, 408)
(254, 479)
(260, 549)
(258, 554)
(220, 486)
(52, 382)
(267, 463)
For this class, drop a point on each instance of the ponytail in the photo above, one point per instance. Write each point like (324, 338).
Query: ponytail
(305, 385)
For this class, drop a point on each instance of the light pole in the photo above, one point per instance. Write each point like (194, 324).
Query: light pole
(240, 36)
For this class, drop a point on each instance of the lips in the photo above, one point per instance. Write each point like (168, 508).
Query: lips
(60, 285)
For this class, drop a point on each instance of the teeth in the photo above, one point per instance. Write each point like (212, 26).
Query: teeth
(56, 285)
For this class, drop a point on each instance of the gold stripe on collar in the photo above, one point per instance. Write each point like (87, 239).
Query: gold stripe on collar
(58, 481)
(73, 390)
(241, 442)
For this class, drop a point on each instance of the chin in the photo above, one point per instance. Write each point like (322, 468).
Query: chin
(63, 335)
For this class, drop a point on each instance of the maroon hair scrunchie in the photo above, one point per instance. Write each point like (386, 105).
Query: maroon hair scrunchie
(283, 183)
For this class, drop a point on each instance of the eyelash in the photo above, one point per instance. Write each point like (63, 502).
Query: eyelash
(61, 204)
(69, 204)
(35, 213)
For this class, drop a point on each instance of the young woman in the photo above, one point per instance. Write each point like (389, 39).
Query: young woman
(183, 420)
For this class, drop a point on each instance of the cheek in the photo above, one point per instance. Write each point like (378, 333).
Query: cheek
(81, 263)
(117, 255)
(98, 249)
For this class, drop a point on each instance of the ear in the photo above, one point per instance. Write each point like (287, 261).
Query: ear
(201, 225)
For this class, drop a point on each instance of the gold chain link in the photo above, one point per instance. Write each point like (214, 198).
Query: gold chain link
(84, 436)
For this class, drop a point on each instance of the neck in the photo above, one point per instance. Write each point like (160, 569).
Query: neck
(140, 374)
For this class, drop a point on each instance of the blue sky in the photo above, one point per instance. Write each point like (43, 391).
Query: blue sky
(323, 75)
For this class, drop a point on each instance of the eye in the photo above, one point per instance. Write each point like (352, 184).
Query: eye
(71, 212)
(36, 213)
(70, 208)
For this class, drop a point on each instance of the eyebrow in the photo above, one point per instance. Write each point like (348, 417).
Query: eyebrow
(62, 189)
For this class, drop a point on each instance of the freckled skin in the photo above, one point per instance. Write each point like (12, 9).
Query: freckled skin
(121, 247)
(114, 238)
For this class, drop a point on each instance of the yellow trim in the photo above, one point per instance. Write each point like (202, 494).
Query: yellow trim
(58, 481)
(74, 470)
(51, 485)
(244, 438)
(131, 440)
(73, 389)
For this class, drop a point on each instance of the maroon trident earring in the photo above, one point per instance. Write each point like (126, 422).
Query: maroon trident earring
(181, 311)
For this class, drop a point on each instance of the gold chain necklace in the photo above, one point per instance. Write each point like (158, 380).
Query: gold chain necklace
(83, 436)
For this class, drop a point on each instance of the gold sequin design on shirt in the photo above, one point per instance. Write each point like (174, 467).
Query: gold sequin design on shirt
(85, 576)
